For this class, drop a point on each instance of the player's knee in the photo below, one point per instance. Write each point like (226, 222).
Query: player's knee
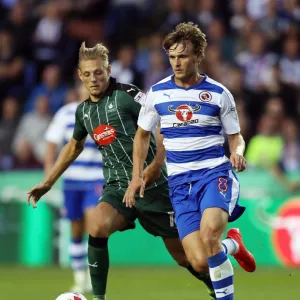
(210, 239)
(199, 263)
(100, 228)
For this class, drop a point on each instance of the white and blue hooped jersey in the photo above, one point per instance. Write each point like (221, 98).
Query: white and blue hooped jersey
(192, 121)
(86, 170)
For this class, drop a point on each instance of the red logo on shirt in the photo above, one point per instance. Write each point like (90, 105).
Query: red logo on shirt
(77, 298)
(184, 112)
(104, 134)
(205, 96)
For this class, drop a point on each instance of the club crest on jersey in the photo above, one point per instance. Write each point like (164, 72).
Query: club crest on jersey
(205, 96)
(104, 134)
(184, 112)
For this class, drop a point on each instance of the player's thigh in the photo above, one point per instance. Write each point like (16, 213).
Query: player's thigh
(195, 251)
(73, 205)
(155, 212)
(186, 207)
(111, 214)
(218, 200)
(91, 199)
(221, 192)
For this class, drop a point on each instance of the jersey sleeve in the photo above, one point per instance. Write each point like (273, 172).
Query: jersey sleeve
(80, 131)
(54, 133)
(228, 114)
(148, 117)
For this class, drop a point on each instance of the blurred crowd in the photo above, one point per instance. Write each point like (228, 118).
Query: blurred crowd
(253, 49)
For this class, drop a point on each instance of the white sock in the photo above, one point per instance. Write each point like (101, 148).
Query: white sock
(78, 254)
(221, 274)
(230, 246)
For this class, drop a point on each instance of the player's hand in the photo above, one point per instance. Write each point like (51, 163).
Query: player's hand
(135, 185)
(36, 193)
(151, 174)
(238, 162)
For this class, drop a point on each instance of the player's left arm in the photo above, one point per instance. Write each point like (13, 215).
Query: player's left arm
(231, 126)
(147, 122)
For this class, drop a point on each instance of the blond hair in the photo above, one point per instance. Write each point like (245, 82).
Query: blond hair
(99, 50)
(187, 32)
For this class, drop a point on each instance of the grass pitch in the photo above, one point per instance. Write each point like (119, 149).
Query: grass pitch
(145, 283)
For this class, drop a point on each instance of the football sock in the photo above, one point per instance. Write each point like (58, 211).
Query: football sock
(77, 251)
(230, 246)
(204, 277)
(221, 274)
(98, 264)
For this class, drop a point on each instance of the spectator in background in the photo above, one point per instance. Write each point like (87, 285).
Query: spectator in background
(143, 56)
(265, 148)
(213, 64)
(11, 63)
(51, 86)
(290, 159)
(239, 16)
(289, 62)
(206, 14)
(123, 69)
(48, 36)
(272, 26)
(255, 62)
(8, 124)
(156, 70)
(21, 28)
(216, 34)
(176, 13)
(31, 130)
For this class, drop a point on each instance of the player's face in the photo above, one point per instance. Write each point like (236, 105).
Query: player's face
(183, 60)
(95, 76)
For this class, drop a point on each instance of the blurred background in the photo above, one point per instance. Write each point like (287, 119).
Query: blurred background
(253, 49)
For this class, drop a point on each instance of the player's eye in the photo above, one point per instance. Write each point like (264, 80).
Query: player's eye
(99, 73)
(86, 74)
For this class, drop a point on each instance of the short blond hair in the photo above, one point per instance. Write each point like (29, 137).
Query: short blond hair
(187, 32)
(99, 50)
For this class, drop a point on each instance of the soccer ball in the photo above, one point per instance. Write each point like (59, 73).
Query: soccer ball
(70, 296)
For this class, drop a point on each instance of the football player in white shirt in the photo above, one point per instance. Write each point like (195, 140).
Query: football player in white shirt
(193, 111)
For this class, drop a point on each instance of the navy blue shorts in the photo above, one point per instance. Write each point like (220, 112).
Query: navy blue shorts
(189, 200)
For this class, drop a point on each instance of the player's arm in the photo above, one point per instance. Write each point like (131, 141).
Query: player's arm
(147, 122)
(237, 149)
(231, 126)
(153, 171)
(66, 156)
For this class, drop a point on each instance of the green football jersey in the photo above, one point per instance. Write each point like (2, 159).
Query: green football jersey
(112, 123)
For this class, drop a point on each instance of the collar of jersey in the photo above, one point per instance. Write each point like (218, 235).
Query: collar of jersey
(191, 87)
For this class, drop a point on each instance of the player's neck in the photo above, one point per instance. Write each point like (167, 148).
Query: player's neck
(99, 97)
(189, 81)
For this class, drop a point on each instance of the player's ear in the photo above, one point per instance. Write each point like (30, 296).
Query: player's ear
(80, 74)
(108, 70)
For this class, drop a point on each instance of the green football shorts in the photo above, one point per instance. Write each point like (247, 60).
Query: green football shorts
(154, 211)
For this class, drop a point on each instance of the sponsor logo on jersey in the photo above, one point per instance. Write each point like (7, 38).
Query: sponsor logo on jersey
(285, 226)
(205, 96)
(184, 113)
(104, 134)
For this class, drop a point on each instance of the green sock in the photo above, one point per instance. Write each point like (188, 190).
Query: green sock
(204, 277)
(98, 265)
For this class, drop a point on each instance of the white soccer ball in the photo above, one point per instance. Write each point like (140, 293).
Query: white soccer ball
(70, 296)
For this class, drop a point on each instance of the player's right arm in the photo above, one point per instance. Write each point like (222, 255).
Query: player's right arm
(147, 122)
(66, 156)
